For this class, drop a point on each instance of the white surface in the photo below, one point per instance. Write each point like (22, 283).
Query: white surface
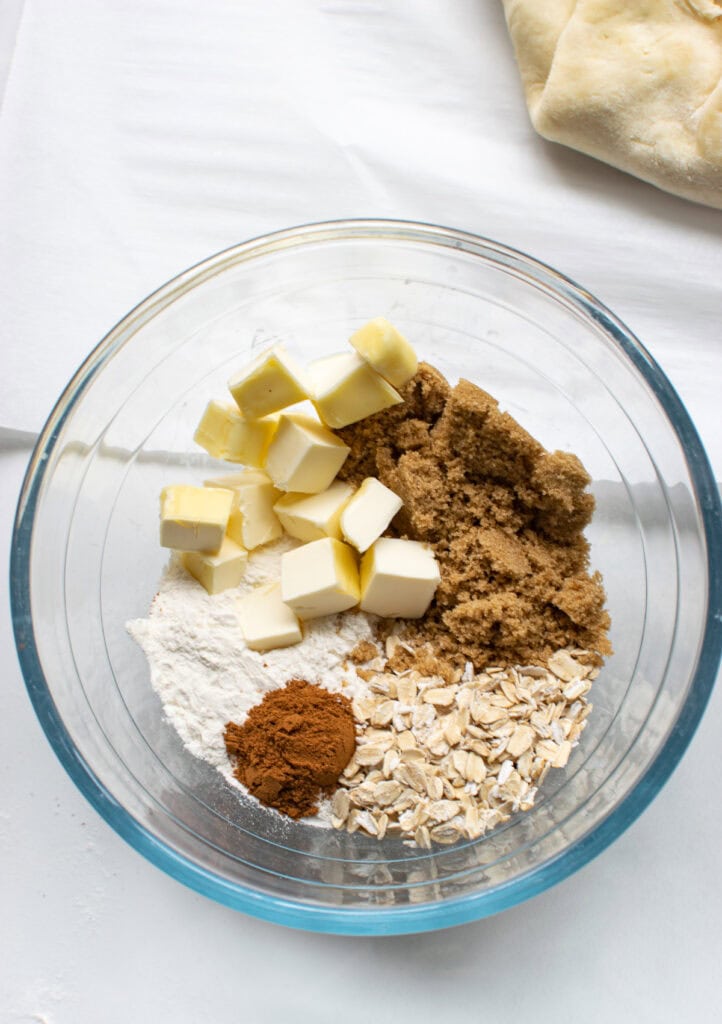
(10, 13)
(136, 138)
(139, 137)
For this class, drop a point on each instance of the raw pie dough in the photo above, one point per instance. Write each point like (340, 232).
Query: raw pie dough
(637, 83)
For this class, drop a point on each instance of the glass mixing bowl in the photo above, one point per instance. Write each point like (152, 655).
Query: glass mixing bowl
(86, 559)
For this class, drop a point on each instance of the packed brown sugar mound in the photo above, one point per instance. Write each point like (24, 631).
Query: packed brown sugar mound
(504, 517)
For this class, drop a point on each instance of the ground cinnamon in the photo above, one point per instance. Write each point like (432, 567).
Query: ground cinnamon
(293, 746)
(503, 515)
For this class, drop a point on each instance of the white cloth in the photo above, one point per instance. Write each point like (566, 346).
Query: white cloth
(63, 871)
(138, 136)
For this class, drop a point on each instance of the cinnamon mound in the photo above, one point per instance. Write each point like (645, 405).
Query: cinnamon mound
(504, 517)
(293, 746)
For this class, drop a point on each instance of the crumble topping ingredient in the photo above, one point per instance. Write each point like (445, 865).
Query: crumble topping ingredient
(398, 578)
(293, 746)
(345, 388)
(266, 622)
(225, 434)
(386, 350)
(303, 456)
(270, 382)
(320, 578)
(503, 516)
(368, 513)
(442, 761)
(194, 518)
(252, 521)
(314, 516)
(219, 571)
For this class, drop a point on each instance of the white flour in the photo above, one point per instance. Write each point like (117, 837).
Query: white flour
(202, 670)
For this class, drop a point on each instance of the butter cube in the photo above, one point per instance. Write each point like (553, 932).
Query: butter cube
(368, 513)
(346, 389)
(266, 622)
(219, 571)
(304, 456)
(386, 350)
(320, 578)
(194, 518)
(398, 578)
(252, 521)
(225, 434)
(299, 409)
(269, 383)
(313, 516)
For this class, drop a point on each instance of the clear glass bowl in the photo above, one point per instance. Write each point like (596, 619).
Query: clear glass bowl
(86, 559)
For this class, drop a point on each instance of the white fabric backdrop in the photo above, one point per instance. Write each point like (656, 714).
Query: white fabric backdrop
(138, 136)
(274, 113)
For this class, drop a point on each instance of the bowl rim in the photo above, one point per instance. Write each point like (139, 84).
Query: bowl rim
(409, 918)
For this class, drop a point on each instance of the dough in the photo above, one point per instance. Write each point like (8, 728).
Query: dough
(636, 83)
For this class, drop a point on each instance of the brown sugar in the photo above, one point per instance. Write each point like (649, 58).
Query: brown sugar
(504, 516)
(364, 651)
(293, 746)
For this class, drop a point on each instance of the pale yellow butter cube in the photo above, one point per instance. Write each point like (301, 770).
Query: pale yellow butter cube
(386, 350)
(346, 389)
(313, 516)
(269, 383)
(266, 622)
(225, 434)
(219, 571)
(299, 409)
(194, 518)
(368, 513)
(252, 521)
(304, 456)
(320, 578)
(398, 578)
